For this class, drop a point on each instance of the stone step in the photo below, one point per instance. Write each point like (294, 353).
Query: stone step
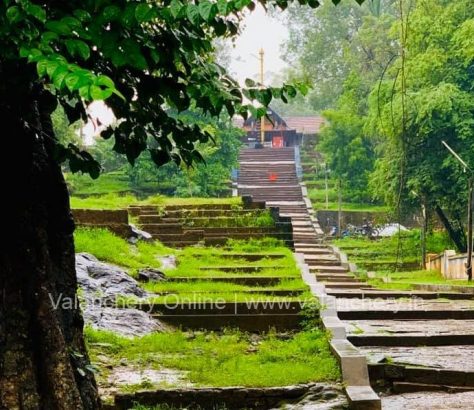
(421, 364)
(345, 285)
(410, 332)
(313, 251)
(245, 323)
(327, 268)
(336, 278)
(253, 280)
(241, 268)
(382, 294)
(406, 314)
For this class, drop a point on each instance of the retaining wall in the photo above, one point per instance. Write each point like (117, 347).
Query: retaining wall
(450, 264)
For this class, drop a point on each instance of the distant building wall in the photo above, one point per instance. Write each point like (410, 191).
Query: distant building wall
(450, 264)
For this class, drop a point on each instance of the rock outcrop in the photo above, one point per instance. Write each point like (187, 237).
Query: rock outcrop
(101, 286)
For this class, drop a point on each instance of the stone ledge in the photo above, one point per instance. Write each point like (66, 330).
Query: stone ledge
(230, 397)
(362, 398)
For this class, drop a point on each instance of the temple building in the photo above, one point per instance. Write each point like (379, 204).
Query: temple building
(279, 132)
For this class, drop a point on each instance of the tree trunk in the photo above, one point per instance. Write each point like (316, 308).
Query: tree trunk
(43, 359)
(456, 233)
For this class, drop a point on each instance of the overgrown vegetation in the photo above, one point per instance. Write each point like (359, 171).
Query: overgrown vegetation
(389, 272)
(230, 358)
(403, 84)
(115, 201)
(108, 247)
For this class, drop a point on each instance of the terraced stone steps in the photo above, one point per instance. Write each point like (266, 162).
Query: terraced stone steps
(308, 239)
(241, 268)
(253, 280)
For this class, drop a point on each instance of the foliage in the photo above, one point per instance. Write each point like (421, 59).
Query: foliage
(209, 178)
(143, 58)
(228, 359)
(427, 98)
(349, 152)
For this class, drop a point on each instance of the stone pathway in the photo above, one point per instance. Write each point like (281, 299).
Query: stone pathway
(396, 329)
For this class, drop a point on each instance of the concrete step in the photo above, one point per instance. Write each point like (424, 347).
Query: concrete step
(327, 269)
(345, 285)
(393, 295)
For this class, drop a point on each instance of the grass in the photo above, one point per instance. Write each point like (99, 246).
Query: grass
(192, 259)
(215, 287)
(384, 251)
(230, 358)
(111, 182)
(254, 218)
(200, 298)
(116, 201)
(349, 206)
(108, 247)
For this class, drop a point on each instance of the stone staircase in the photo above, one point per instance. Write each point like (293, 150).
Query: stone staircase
(419, 345)
(270, 175)
(180, 226)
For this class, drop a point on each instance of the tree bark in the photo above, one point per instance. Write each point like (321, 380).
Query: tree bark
(456, 233)
(43, 358)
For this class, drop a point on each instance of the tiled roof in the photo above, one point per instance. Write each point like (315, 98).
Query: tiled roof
(305, 125)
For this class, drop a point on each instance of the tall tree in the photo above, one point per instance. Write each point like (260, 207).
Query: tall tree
(142, 57)
(427, 98)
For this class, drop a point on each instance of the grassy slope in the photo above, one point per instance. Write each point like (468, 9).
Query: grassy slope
(226, 359)
(115, 201)
(386, 249)
(231, 358)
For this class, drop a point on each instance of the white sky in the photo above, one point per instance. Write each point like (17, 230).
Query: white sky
(260, 31)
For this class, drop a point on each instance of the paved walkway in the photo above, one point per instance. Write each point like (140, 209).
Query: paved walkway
(415, 342)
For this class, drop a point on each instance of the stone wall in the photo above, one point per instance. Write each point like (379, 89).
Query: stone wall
(114, 220)
(317, 395)
(450, 264)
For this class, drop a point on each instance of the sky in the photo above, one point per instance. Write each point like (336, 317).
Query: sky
(260, 31)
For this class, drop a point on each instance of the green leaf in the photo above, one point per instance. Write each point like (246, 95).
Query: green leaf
(192, 11)
(36, 11)
(98, 93)
(105, 81)
(59, 27)
(176, 7)
(78, 48)
(143, 12)
(48, 36)
(13, 14)
(128, 16)
(207, 10)
(250, 83)
(265, 96)
(41, 67)
(51, 67)
(59, 76)
(111, 13)
(74, 81)
(72, 22)
(34, 55)
(223, 7)
(84, 92)
(82, 15)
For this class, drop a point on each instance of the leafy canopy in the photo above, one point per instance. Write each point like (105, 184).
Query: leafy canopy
(143, 58)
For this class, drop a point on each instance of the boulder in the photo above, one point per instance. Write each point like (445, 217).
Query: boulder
(151, 275)
(137, 234)
(101, 284)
